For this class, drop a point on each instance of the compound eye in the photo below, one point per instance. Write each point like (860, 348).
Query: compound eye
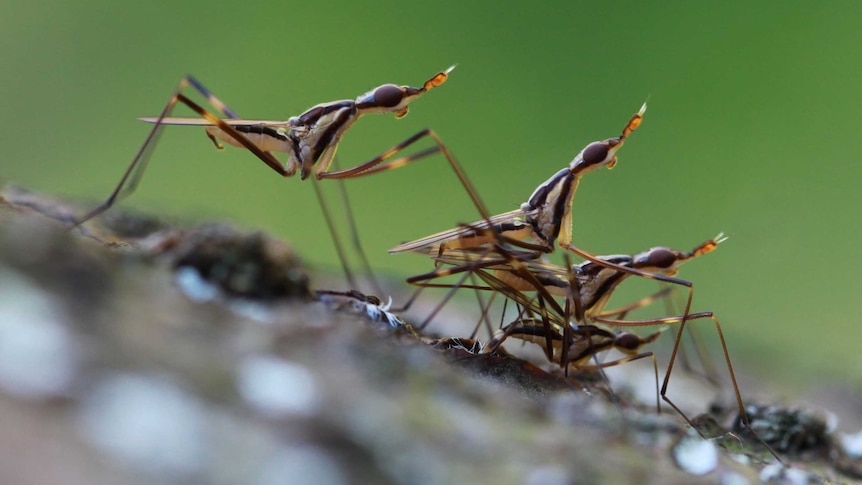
(661, 258)
(595, 152)
(388, 95)
(628, 342)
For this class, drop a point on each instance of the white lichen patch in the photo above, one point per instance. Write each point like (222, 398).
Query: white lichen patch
(277, 387)
(302, 464)
(851, 444)
(780, 473)
(695, 455)
(195, 286)
(39, 357)
(146, 423)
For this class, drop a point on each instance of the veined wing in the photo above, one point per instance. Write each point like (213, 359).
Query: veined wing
(466, 232)
(483, 257)
(531, 304)
(203, 122)
(493, 261)
(501, 275)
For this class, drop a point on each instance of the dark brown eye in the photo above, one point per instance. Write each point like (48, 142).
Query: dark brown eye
(628, 341)
(660, 258)
(388, 95)
(595, 152)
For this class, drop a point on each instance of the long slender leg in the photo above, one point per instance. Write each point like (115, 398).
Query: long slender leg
(681, 320)
(421, 279)
(443, 302)
(484, 308)
(551, 318)
(134, 172)
(575, 313)
(625, 269)
(599, 366)
(585, 335)
(501, 335)
(482, 261)
(707, 370)
(474, 267)
(625, 360)
(379, 164)
(136, 168)
(666, 279)
(272, 162)
(707, 366)
(217, 103)
(336, 240)
(620, 313)
(354, 237)
(376, 164)
(666, 294)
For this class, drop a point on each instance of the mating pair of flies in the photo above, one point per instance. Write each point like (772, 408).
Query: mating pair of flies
(494, 249)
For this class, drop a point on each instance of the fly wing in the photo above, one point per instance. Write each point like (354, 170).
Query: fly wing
(203, 122)
(465, 232)
(530, 305)
(492, 269)
(483, 258)
(495, 261)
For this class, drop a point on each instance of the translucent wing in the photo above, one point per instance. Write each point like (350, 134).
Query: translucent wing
(468, 231)
(499, 274)
(203, 122)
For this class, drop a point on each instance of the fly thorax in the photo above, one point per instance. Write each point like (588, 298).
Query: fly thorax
(297, 128)
(543, 226)
(598, 288)
(548, 204)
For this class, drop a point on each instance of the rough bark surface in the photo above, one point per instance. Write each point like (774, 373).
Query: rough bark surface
(132, 351)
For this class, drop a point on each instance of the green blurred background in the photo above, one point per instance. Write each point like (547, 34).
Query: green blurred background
(751, 130)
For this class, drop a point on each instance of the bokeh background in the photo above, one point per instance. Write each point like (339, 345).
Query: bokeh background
(752, 129)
